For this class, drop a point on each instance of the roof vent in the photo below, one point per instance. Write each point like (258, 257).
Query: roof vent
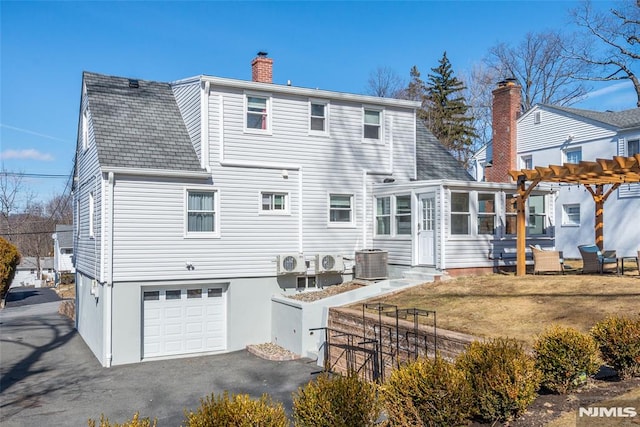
(133, 84)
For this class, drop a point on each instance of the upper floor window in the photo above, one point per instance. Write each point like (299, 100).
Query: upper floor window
(573, 155)
(257, 113)
(571, 214)
(276, 203)
(536, 117)
(372, 124)
(201, 212)
(85, 129)
(460, 214)
(403, 214)
(91, 214)
(383, 216)
(633, 147)
(341, 209)
(318, 117)
(486, 213)
(526, 162)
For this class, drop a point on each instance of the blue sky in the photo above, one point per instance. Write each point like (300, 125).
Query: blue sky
(45, 46)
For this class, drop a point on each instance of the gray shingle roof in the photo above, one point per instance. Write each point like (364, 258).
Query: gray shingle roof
(31, 263)
(620, 119)
(433, 161)
(64, 234)
(138, 127)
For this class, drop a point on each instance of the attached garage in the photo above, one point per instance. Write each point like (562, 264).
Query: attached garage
(183, 320)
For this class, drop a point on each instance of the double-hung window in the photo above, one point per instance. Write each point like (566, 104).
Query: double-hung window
(341, 209)
(383, 216)
(486, 213)
(274, 203)
(537, 215)
(318, 117)
(460, 214)
(257, 113)
(573, 155)
(372, 124)
(202, 214)
(403, 214)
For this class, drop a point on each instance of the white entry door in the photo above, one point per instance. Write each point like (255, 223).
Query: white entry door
(182, 320)
(426, 230)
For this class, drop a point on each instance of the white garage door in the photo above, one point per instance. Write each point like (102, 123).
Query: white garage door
(182, 320)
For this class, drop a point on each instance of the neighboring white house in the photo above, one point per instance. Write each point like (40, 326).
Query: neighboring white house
(29, 273)
(197, 200)
(552, 135)
(63, 250)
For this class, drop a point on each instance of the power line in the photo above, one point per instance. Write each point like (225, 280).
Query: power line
(33, 175)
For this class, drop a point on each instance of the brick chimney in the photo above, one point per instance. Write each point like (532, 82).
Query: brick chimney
(262, 68)
(506, 110)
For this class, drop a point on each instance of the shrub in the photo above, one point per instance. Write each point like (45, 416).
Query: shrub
(618, 338)
(503, 378)
(565, 358)
(9, 259)
(135, 422)
(238, 410)
(427, 393)
(336, 401)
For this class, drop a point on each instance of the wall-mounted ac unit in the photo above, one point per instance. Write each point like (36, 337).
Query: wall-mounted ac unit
(329, 263)
(291, 264)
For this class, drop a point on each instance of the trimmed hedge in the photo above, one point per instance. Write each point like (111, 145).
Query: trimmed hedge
(9, 259)
(427, 392)
(565, 357)
(503, 378)
(618, 338)
(336, 401)
(238, 410)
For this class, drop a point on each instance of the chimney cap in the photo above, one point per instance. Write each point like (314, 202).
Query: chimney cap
(262, 54)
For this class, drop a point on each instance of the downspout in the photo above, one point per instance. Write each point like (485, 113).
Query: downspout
(109, 285)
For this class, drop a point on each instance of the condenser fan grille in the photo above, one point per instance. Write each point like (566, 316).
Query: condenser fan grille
(289, 263)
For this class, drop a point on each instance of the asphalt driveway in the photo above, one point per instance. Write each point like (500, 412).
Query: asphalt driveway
(48, 376)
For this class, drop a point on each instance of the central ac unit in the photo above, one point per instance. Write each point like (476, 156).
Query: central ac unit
(329, 263)
(291, 264)
(371, 264)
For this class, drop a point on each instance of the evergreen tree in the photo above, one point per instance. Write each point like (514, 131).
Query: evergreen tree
(446, 112)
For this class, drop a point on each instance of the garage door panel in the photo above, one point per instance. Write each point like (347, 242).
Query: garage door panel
(183, 320)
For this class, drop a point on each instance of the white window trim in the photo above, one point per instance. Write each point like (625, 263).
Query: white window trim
(537, 117)
(216, 210)
(565, 216)
(544, 215)
(565, 153)
(269, 99)
(350, 224)
(479, 214)
(524, 159)
(327, 109)
(469, 213)
(85, 130)
(287, 204)
(395, 216)
(380, 140)
(92, 213)
(376, 216)
(628, 142)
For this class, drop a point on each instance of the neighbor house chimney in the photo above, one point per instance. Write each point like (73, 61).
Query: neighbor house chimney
(506, 110)
(262, 68)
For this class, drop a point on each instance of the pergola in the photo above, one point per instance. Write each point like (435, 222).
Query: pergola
(594, 176)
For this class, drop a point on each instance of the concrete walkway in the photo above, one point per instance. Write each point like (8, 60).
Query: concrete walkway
(48, 376)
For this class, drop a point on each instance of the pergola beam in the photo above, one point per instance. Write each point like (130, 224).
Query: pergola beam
(614, 172)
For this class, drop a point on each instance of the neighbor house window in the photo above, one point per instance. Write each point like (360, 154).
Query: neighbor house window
(571, 214)
(201, 211)
(383, 216)
(573, 155)
(318, 112)
(537, 215)
(486, 213)
(526, 162)
(511, 214)
(633, 147)
(372, 124)
(460, 215)
(403, 214)
(341, 209)
(274, 203)
(92, 211)
(257, 113)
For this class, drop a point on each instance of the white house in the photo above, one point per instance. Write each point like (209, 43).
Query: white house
(33, 272)
(552, 135)
(63, 250)
(197, 200)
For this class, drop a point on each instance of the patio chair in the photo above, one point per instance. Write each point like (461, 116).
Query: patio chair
(594, 261)
(546, 260)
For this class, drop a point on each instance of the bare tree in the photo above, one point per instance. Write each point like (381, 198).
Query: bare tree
(60, 209)
(610, 42)
(479, 83)
(539, 66)
(385, 82)
(13, 193)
